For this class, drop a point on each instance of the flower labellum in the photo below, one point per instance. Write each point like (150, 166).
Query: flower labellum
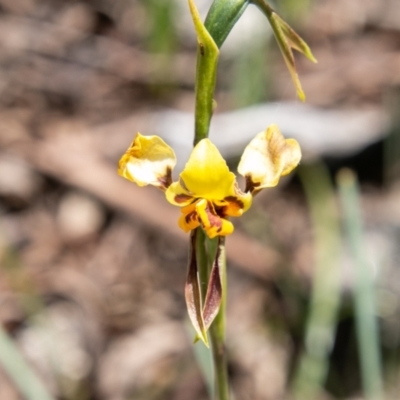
(207, 192)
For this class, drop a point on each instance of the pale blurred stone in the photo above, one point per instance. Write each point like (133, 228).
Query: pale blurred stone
(56, 344)
(76, 17)
(138, 360)
(79, 217)
(17, 180)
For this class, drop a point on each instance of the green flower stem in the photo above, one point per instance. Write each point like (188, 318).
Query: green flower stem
(220, 20)
(204, 89)
(206, 73)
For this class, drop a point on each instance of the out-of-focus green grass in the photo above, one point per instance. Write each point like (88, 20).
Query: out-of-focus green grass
(364, 290)
(23, 376)
(11, 360)
(325, 294)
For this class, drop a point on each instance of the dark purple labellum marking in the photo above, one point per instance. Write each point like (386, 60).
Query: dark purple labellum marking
(235, 200)
(182, 198)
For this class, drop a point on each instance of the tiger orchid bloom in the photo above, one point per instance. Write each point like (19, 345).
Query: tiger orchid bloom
(207, 191)
(208, 194)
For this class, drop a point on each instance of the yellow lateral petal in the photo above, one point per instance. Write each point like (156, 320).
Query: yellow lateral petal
(148, 161)
(268, 157)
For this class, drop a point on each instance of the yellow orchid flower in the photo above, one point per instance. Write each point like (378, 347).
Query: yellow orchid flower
(207, 191)
(208, 194)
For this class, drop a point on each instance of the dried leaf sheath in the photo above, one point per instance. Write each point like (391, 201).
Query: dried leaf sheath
(214, 290)
(193, 293)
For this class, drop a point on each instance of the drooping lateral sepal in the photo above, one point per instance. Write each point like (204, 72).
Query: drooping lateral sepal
(193, 293)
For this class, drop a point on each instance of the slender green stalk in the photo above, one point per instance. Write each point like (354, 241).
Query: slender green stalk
(367, 328)
(206, 74)
(204, 88)
(220, 20)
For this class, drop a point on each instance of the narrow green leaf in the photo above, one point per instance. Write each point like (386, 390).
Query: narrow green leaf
(312, 369)
(287, 40)
(204, 360)
(19, 371)
(365, 306)
(193, 294)
(222, 17)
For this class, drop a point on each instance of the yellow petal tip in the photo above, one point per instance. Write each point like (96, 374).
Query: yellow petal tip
(301, 95)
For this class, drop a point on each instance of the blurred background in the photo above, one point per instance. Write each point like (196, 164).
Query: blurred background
(92, 268)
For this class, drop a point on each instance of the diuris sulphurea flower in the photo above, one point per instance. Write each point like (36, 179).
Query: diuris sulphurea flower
(207, 191)
(208, 194)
